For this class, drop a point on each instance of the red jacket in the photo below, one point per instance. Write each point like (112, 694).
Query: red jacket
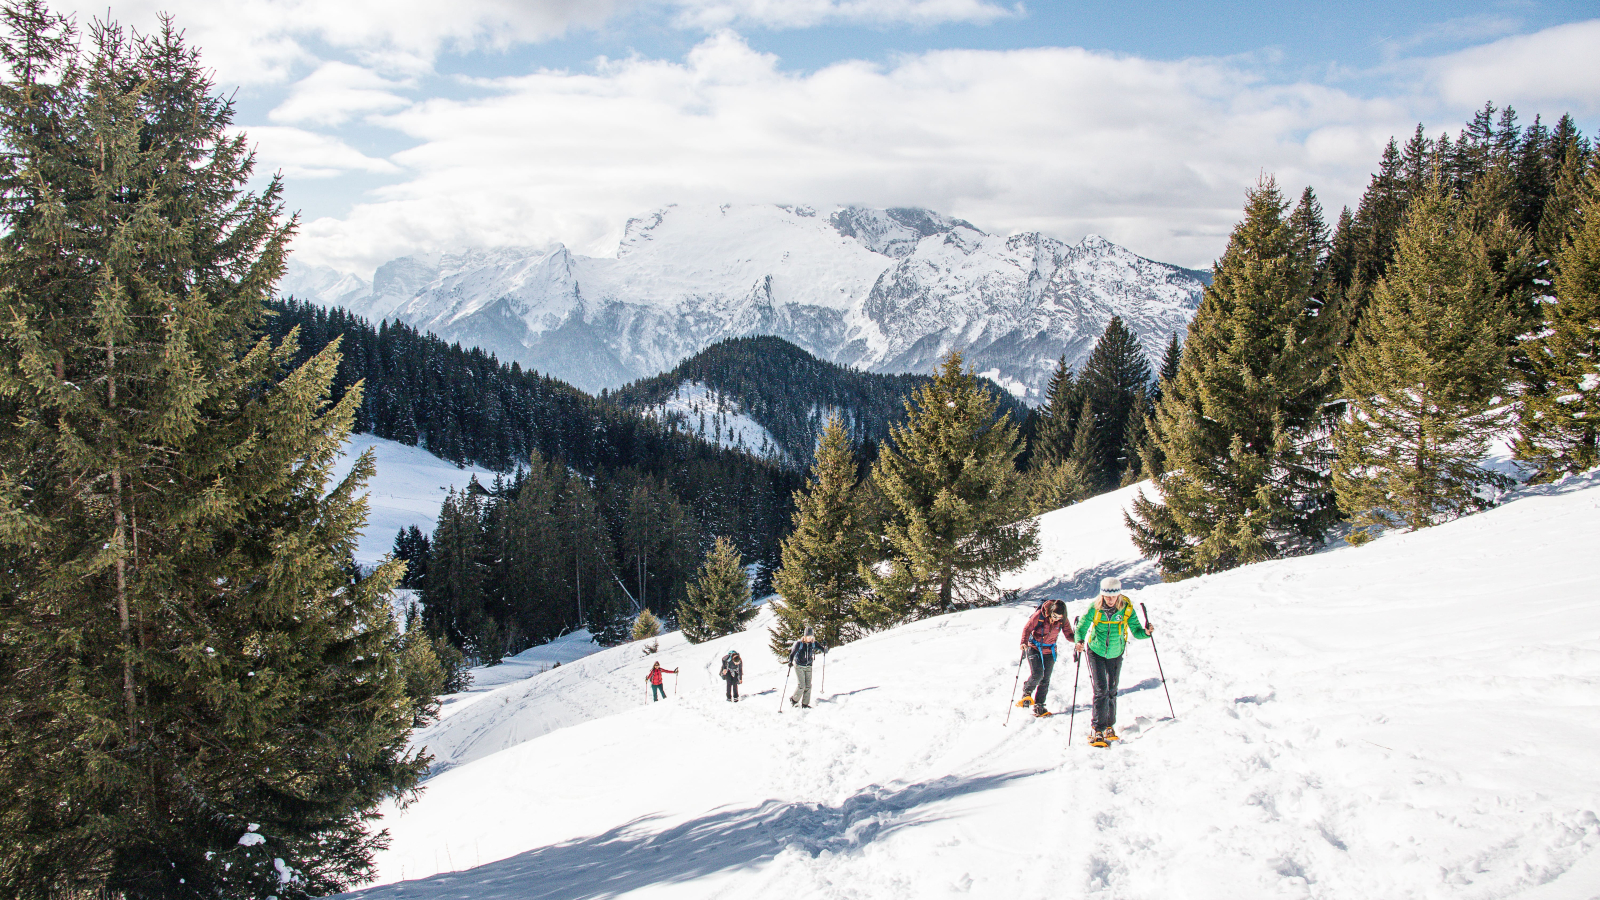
(1041, 629)
(655, 675)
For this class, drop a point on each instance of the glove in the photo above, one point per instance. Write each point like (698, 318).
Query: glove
(1149, 629)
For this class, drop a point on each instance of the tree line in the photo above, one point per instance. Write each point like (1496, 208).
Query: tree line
(1354, 381)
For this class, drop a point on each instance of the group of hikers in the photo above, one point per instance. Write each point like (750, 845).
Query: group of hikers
(1101, 633)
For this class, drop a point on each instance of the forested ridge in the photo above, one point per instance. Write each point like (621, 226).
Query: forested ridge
(791, 393)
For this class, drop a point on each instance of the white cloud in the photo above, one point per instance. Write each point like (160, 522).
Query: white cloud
(712, 14)
(1559, 65)
(298, 153)
(261, 41)
(337, 92)
(1155, 155)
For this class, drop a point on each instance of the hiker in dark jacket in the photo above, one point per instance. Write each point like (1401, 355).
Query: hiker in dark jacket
(801, 656)
(1103, 631)
(1039, 646)
(733, 673)
(658, 691)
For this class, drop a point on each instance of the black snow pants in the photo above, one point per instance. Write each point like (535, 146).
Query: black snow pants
(1040, 665)
(1105, 673)
(733, 688)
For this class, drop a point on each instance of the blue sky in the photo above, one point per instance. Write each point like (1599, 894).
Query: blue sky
(414, 126)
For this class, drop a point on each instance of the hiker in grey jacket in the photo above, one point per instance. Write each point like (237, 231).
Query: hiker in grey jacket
(732, 672)
(801, 656)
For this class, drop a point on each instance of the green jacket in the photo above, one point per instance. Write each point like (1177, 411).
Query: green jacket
(1110, 631)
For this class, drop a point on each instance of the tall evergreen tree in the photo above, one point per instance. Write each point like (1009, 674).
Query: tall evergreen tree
(1421, 409)
(821, 580)
(717, 602)
(456, 589)
(1058, 416)
(955, 500)
(1241, 427)
(185, 654)
(1559, 420)
(1116, 373)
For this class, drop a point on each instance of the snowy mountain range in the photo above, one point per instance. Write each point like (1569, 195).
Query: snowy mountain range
(883, 290)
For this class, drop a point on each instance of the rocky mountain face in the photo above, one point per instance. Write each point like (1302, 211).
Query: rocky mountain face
(882, 290)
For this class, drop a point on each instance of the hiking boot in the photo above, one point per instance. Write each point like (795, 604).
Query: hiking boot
(805, 706)
(1025, 702)
(793, 701)
(1040, 712)
(1097, 738)
(1110, 734)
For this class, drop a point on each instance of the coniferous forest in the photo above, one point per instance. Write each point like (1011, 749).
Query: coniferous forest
(1355, 379)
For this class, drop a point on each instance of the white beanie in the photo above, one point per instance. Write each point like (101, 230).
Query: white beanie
(1110, 584)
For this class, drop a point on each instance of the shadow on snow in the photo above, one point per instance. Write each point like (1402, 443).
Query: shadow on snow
(632, 856)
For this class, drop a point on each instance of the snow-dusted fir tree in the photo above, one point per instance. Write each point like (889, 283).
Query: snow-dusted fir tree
(717, 602)
(199, 695)
(1239, 429)
(955, 504)
(1560, 420)
(821, 581)
(1422, 378)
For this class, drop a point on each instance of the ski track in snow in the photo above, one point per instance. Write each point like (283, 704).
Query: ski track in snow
(1412, 718)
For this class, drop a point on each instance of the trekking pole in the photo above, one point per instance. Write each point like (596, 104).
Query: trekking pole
(674, 684)
(1012, 701)
(1146, 613)
(785, 687)
(823, 687)
(1077, 667)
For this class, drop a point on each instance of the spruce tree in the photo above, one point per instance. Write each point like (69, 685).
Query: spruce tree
(717, 602)
(455, 594)
(820, 582)
(646, 625)
(186, 653)
(1116, 373)
(1241, 427)
(1559, 420)
(955, 501)
(1421, 411)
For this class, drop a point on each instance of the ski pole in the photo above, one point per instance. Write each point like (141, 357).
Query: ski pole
(1077, 668)
(1146, 613)
(674, 684)
(785, 686)
(1012, 702)
(823, 687)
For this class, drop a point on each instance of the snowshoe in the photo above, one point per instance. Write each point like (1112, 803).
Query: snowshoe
(1110, 734)
(1098, 739)
(1025, 702)
(1040, 712)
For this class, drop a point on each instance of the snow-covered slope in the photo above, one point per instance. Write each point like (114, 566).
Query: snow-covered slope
(886, 290)
(698, 410)
(1419, 717)
(408, 488)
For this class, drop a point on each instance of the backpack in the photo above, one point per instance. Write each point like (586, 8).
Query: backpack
(1122, 624)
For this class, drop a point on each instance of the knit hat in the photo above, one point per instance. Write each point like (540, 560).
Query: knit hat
(809, 632)
(1110, 584)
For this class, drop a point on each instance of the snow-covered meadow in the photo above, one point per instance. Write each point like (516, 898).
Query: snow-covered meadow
(1418, 717)
(408, 488)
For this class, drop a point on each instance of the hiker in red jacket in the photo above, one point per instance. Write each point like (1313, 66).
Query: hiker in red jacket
(1039, 645)
(657, 691)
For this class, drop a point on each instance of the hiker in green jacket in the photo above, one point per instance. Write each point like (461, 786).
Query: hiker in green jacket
(1104, 628)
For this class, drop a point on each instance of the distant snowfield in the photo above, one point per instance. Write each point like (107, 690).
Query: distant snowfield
(711, 417)
(408, 489)
(1419, 717)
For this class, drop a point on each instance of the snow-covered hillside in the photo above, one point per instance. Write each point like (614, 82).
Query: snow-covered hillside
(1418, 717)
(884, 290)
(695, 409)
(408, 488)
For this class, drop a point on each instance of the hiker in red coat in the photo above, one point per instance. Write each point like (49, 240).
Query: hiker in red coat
(1039, 645)
(657, 691)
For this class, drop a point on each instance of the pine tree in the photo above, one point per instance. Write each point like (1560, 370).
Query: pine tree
(1115, 374)
(1241, 426)
(1057, 417)
(646, 625)
(820, 582)
(455, 595)
(1421, 411)
(717, 602)
(955, 501)
(412, 547)
(1559, 421)
(186, 654)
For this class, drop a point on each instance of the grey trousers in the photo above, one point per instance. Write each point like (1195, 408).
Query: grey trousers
(802, 685)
